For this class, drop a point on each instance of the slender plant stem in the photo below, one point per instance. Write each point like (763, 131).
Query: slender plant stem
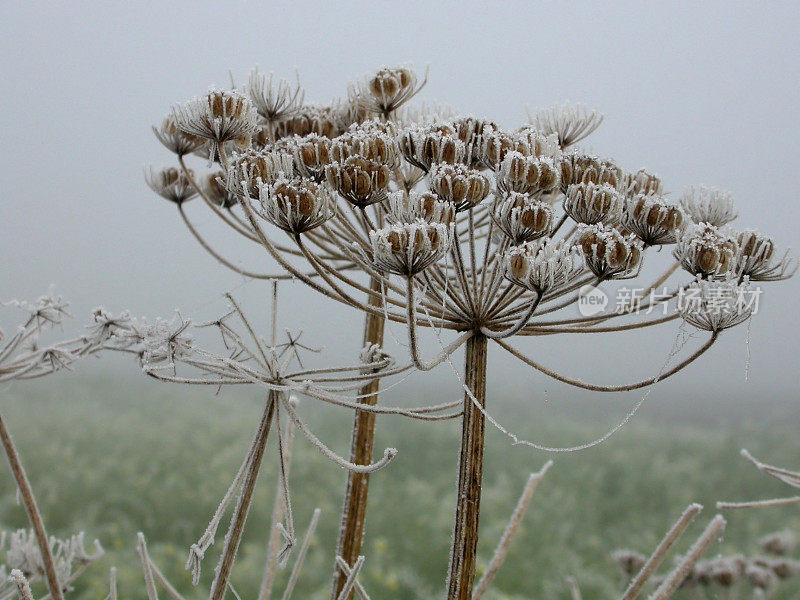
(461, 574)
(243, 505)
(278, 510)
(351, 533)
(34, 516)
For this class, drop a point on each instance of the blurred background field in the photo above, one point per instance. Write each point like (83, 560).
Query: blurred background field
(116, 456)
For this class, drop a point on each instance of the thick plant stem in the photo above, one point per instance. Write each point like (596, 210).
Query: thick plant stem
(461, 574)
(234, 536)
(362, 443)
(34, 516)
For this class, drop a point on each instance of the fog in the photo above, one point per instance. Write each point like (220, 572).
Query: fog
(703, 95)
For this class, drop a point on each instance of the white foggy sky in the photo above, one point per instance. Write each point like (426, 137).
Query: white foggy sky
(699, 94)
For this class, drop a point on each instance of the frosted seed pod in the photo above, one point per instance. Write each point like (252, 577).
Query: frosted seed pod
(424, 146)
(359, 181)
(176, 140)
(715, 305)
(249, 169)
(408, 208)
(526, 174)
(653, 220)
(577, 167)
(409, 248)
(643, 182)
(170, 183)
(296, 205)
(709, 205)
(542, 266)
(571, 123)
(311, 154)
(607, 252)
(216, 189)
(706, 252)
(523, 218)
(309, 119)
(460, 185)
(220, 116)
(591, 203)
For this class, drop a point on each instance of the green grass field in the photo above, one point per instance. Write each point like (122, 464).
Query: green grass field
(116, 458)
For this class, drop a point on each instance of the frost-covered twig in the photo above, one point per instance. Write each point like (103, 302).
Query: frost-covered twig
(508, 534)
(649, 568)
(679, 574)
(788, 477)
(301, 555)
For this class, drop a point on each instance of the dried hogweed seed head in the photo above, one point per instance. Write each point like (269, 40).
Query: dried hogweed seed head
(296, 205)
(424, 146)
(629, 562)
(577, 168)
(542, 266)
(359, 181)
(175, 140)
(496, 144)
(217, 190)
(607, 252)
(527, 174)
(715, 305)
(387, 90)
(311, 154)
(470, 130)
(409, 208)
(321, 120)
(249, 169)
(643, 182)
(571, 123)
(170, 183)
(370, 143)
(220, 116)
(409, 248)
(779, 543)
(274, 101)
(759, 577)
(460, 185)
(591, 203)
(756, 258)
(706, 252)
(523, 218)
(709, 205)
(653, 220)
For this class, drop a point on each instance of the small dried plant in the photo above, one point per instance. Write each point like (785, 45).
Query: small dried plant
(33, 555)
(454, 224)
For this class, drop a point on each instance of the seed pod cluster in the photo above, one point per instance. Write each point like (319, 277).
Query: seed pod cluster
(523, 218)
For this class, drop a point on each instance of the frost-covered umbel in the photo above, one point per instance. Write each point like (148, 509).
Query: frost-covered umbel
(523, 218)
(408, 208)
(297, 205)
(175, 140)
(220, 116)
(709, 205)
(707, 252)
(273, 101)
(424, 146)
(542, 267)
(459, 185)
(716, 305)
(591, 203)
(171, 183)
(652, 219)
(409, 248)
(570, 122)
(607, 252)
(756, 258)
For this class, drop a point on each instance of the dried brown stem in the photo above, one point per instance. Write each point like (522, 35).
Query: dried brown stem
(34, 516)
(461, 573)
(351, 533)
(234, 535)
